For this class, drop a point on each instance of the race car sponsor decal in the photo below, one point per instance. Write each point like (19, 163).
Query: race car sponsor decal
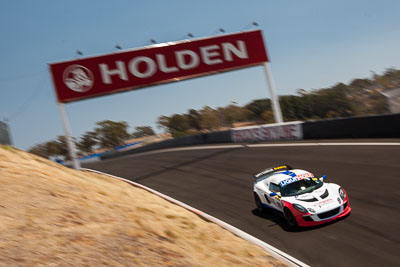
(296, 178)
(263, 172)
(280, 168)
(324, 202)
(267, 171)
(304, 196)
(288, 181)
(305, 175)
(292, 174)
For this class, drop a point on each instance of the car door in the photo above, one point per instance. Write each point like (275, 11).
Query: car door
(275, 200)
(261, 188)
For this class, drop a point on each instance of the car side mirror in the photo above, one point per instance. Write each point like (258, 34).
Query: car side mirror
(322, 178)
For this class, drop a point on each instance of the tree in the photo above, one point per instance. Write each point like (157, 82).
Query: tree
(257, 108)
(39, 150)
(389, 80)
(291, 107)
(51, 148)
(60, 146)
(268, 116)
(87, 141)
(194, 119)
(111, 134)
(361, 83)
(142, 131)
(178, 125)
(209, 118)
(334, 100)
(163, 123)
(233, 113)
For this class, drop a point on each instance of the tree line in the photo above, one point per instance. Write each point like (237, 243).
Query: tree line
(106, 135)
(359, 97)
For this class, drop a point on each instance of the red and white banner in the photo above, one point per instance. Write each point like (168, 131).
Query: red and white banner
(121, 71)
(268, 132)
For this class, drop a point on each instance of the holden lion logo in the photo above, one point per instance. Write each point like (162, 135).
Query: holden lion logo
(78, 78)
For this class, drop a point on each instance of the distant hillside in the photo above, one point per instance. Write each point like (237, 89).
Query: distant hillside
(367, 95)
(360, 97)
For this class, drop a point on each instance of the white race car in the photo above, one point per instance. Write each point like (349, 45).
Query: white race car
(303, 199)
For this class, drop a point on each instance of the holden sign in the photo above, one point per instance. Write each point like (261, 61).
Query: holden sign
(116, 72)
(132, 69)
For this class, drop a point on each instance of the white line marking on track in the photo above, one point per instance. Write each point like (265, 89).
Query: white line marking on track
(324, 144)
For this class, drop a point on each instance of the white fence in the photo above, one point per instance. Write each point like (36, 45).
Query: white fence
(268, 132)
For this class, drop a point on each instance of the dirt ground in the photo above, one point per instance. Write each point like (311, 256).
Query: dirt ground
(51, 215)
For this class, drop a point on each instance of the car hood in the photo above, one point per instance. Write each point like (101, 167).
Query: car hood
(324, 198)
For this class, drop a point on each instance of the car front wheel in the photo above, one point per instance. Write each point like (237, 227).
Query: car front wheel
(290, 218)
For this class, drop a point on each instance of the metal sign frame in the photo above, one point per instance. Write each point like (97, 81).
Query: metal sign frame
(84, 74)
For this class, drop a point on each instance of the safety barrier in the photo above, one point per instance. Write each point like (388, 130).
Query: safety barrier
(376, 126)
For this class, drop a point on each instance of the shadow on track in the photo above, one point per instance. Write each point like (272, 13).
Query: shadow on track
(279, 219)
(183, 164)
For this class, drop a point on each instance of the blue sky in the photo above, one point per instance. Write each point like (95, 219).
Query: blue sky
(312, 44)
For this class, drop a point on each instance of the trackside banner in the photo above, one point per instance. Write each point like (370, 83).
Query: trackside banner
(268, 132)
(132, 69)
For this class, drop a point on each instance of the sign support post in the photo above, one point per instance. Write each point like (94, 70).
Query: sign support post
(274, 97)
(71, 146)
(95, 76)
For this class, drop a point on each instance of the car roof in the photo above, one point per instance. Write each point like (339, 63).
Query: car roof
(278, 177)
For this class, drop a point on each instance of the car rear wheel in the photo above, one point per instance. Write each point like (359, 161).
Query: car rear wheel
(258, 202)
(290, 218)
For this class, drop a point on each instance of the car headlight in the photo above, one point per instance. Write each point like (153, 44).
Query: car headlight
(300, 208)
(342, 194)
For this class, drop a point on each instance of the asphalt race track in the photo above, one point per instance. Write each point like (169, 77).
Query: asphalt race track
(219, 182)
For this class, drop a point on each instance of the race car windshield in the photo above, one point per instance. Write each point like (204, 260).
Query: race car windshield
(301, 187)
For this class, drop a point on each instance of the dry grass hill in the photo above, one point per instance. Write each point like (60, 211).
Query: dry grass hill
(54, 216)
